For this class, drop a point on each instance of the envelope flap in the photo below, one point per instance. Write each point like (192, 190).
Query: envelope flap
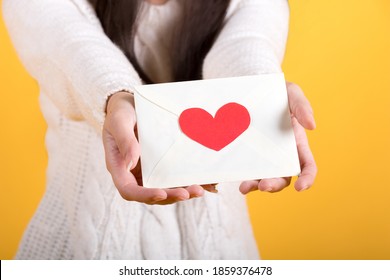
(209, 95)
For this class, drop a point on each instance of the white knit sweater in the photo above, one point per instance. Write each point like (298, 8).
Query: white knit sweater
(81, 215)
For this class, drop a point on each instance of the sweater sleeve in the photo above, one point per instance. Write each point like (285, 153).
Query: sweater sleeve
(62, 45)
(252, 40)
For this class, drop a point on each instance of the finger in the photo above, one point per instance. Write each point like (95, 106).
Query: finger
(195, 191)
(125, 181)
(181, 194)
(174, 195)
(128, 188)
(248, 186)
(306, 159)
(274, 184)
(133, 192)
(299, 106)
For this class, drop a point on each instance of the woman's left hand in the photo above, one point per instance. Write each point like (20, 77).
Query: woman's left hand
(301, 118)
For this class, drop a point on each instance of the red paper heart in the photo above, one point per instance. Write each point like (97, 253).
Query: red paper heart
(230, 121)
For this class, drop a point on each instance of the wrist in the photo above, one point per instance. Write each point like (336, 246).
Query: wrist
(119, 99)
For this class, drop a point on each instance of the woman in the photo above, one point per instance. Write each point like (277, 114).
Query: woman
(87, 57)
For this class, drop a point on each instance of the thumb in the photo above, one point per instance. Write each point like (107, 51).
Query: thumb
(300, 107)
(121, 126)
(128, 147)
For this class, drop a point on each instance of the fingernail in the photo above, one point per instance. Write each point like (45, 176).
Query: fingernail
(269, 190)
(304, 188)
(314, 124)
(313, 121)
(130, 165)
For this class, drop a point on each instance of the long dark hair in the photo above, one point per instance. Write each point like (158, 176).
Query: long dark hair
(202, 21)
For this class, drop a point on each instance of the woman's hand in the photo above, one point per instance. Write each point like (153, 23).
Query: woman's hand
(301, 118)
(122, 153)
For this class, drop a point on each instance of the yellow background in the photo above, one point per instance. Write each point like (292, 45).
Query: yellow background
(339, 52)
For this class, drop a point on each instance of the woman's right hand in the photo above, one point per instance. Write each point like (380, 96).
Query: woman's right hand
(122, 153)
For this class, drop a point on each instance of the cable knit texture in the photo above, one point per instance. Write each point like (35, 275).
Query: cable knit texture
(82, 216)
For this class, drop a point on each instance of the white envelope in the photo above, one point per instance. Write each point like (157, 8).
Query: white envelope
(171, 158)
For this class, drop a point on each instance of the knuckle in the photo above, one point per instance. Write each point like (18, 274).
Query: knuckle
(124, 191)
(126, 196)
